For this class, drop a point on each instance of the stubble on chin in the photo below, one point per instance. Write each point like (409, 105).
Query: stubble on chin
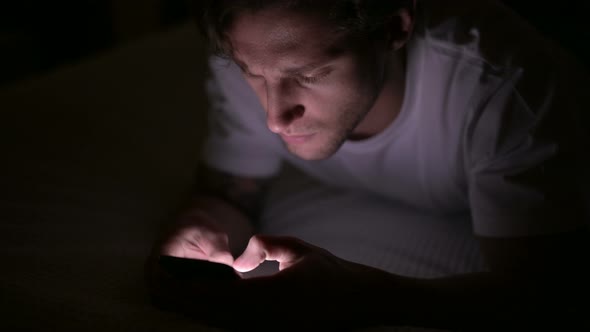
(325, 145)
(317, 150)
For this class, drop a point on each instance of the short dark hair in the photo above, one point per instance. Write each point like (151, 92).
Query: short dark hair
(361, 17)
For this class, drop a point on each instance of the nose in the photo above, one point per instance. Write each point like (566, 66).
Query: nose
(282, 108)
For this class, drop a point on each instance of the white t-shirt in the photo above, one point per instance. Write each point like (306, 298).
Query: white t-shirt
(490, 125)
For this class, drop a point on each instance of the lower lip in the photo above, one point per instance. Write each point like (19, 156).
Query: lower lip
(297, 139)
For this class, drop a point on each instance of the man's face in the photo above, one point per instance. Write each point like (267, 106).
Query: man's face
(314, 83)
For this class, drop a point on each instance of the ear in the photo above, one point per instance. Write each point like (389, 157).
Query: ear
(400, 28)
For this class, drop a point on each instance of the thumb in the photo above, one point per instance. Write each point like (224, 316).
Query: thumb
(285, 250)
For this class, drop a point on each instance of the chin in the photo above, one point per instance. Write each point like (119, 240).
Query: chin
(308, 156)
(318, 147)
(312, 152)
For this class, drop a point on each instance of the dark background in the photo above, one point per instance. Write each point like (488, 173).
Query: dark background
(38, 35)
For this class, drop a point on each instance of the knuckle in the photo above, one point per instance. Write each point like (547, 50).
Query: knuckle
(257, 240)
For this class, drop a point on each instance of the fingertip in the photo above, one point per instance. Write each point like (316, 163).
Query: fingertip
(253, 255)
(245, 264)
(223, 258)
(240, 266)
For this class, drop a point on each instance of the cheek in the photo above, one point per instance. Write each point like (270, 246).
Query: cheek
(337, 108)
(347, 92)
(329, 101)
(344, 103)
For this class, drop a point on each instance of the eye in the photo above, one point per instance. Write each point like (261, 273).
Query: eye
(253, 79)
(250, 75)
(247, 74)
(309, 79)
(313, 79)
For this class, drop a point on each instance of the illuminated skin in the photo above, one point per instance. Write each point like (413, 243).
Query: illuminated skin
(317, 92)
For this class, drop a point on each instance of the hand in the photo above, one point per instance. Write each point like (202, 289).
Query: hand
(197, 236)
(211, 229)
(312, 289)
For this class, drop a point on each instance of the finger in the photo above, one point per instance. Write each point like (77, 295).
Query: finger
(223, 257)
(215, 245)
(253, 255)
(183, 242)
(179, 247)
(285, 250)
(199, 243)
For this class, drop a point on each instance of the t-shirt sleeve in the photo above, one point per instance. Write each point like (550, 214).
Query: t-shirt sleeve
(237, 141)
(527, 152)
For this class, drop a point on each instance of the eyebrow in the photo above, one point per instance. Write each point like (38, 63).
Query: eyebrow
(288, 71)
(305, 68)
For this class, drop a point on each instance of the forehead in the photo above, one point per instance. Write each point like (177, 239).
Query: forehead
(279, 37)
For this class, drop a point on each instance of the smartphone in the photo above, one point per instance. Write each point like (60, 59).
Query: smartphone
(195, 269)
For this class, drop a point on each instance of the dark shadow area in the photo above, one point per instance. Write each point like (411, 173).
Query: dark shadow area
(565, 22)
(38, 35)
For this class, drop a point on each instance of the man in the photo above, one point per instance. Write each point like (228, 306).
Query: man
(453, 108)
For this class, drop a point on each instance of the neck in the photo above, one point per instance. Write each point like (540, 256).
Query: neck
(388, 104)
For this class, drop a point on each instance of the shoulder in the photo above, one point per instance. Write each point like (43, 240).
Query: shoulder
(486, 33)
(484, 29)
(501, 63)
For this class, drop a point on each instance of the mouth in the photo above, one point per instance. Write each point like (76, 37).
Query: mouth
(296, 139)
